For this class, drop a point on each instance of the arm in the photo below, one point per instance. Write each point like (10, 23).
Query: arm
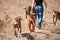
(45, 3)
(33, 3)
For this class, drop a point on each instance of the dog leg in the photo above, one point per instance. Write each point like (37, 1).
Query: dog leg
(33, 27)
(20, 29)
(29, 25)
(54, 19)
(15, 33)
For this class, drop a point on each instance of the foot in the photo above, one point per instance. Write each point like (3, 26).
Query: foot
(32, 31)
(20, 31)
(39, 27)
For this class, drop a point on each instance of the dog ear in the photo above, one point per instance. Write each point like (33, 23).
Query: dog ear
(16, 18)
(24, 8)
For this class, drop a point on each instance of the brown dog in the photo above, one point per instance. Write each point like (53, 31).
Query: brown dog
(31, 18)
(56, 15)
(17, 26)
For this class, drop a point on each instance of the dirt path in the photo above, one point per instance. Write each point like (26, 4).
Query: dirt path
(14, 8)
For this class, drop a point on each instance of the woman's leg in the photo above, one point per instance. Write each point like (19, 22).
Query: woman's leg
(40, 16)
(39, 11)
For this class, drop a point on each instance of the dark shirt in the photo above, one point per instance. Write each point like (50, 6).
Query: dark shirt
(38, 2)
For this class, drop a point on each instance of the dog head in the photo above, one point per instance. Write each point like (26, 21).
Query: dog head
(18, 18)
(27, 8)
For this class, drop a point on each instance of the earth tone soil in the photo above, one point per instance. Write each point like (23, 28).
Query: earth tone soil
(14, 8)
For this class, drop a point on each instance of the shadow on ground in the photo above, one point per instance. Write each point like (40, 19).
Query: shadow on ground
(29, 36)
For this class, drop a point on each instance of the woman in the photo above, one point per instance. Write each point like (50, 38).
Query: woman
(38, 4)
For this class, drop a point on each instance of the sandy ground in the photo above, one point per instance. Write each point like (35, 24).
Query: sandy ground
(14, 8)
